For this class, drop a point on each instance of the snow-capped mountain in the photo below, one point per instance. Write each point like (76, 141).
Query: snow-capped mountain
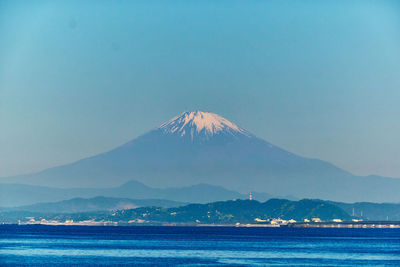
(202, 147)
(201, 126)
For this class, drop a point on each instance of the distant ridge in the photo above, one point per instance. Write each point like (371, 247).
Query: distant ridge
(13, 195)
(95, 204)
(202, 147)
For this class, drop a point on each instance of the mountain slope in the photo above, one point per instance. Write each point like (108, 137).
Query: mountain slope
(200, 147)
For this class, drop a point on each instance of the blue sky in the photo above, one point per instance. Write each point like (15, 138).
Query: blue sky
(318, 78)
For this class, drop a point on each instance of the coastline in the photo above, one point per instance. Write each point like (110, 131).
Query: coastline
(362, 224)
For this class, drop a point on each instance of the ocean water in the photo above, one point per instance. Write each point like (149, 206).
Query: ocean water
(190, 246)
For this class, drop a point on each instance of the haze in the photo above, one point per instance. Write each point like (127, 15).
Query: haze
(320, 79)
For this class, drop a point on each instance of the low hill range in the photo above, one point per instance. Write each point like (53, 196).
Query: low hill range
(202, 147)
(221, 212)
(95, 204)
(233, 211)
(281, 208)
(372, 211)
(14, 195)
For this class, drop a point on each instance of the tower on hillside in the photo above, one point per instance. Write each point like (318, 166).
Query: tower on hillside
(251, 196)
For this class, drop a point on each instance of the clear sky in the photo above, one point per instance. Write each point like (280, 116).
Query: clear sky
(318, 78)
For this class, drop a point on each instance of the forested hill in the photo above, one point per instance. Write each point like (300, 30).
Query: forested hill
(222, 212)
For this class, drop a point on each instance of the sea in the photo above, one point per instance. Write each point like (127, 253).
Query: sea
(41, 245)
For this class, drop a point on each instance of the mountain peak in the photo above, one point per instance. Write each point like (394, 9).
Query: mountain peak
(200, 123)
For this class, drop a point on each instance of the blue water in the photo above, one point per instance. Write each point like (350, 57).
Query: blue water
(91, 245)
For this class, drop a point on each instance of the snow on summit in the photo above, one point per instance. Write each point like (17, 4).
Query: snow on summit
(199, 123)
